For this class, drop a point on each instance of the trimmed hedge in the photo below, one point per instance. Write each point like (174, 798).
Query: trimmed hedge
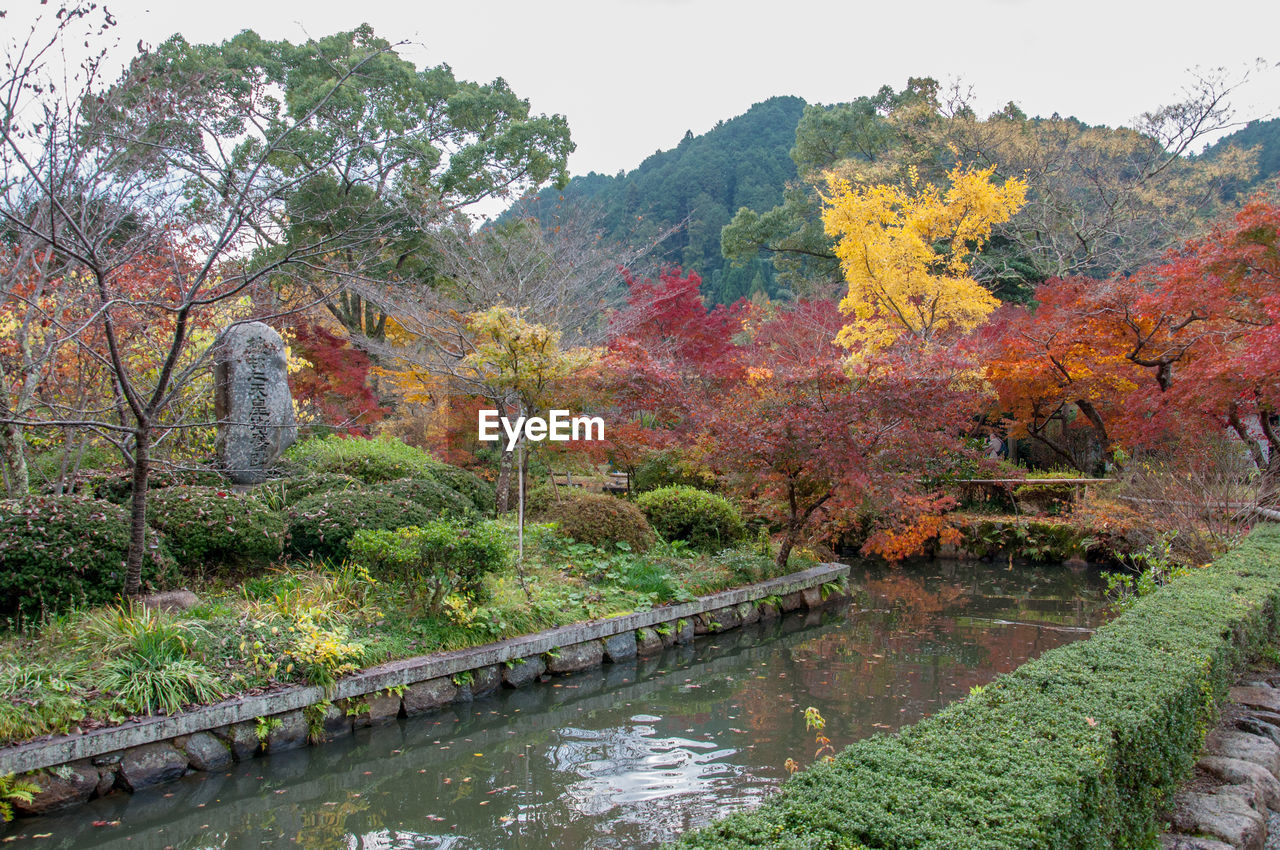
(704, 520)
(1077, 749)
(321, 525)
(208, 526)
(290, 491)
(432, 495)
(373, 461)
(482, 494)
(58, 552)
(602, 521)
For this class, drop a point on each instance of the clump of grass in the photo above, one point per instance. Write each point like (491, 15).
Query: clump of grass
(149, 668)
(39, 699)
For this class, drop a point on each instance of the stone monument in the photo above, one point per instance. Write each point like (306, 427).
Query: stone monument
(252, 401)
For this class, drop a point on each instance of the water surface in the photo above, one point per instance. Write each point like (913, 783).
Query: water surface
(626, 756)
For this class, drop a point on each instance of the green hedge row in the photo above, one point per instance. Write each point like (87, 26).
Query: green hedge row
(1077, 749)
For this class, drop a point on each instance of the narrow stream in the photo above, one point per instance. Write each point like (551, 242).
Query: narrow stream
(629, 755)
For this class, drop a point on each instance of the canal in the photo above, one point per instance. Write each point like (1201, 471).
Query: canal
(629, 755)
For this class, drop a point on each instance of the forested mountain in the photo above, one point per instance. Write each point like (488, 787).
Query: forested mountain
(703, 182)
(1265, 136)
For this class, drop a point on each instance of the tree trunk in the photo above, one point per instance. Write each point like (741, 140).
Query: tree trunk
(14, 447)
(138, 515)
(505, 467)
(784, 548)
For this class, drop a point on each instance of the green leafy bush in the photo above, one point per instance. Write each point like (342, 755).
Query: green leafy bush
(665, 469)
(372, 461)
(1041, 541)
(437, 498)
(58, 552)
(601, 521)
(704, 520)
(283, 492)
(206, 526)
(541, 498)
(321, 525)
(1080, 748)
(440, 558)
(481, 493)
(117, 486)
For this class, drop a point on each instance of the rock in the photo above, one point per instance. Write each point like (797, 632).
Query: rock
(170, 601)
(748, 613)
(721, 619)
(517, 674)
(336, 723)
(71, 785)
(1238, 772)
(575, 657)
(289, 732)
(251, 401)
(648, 642)
(812, 597)
(425, 696)
(1191, 842)
(1241, 745)
(205, 752)
(1267, 699)
(106, 780)
(620, 647)
(667, 632)
(383, 708)
(1222, 816)
(793, 601)
(769, 611)
(486, 680)
(242, 738)
(1262, 728)
(684, 632)
(150, 765)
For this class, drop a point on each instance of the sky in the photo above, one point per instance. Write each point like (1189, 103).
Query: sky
(632, 76)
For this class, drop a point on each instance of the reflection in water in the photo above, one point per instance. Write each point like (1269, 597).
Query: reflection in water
(626, 756)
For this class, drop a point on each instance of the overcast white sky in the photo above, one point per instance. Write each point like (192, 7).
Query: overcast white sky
(633, 75)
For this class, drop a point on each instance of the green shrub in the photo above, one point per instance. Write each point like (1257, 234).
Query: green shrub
(602, 521)
(481, 493)
(206, 526)
(117, 486)
(1039, 541)
(321, 525)
(58, 552)
(541, 498)
(704, 520)
(372, 461)
(440, 558)
(665, 469)
(437, 498)
(1080, 748)
(283, 492)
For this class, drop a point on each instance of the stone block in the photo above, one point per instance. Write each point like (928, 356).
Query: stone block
(748, 613)
(1267, 699)
(206, 752)
(575, 657)
(1222, 816)
(242, 738)
(770, 611)
(383, 708)
(648, 642)
(620, 647)
(251, 401)
(517, 674)
(431, 694)
(289, 731)
(1241, 745)
(792, 601)
(336, 723)
(812, 597)
(72, 785)
(486, 680)
(1265, 787)
(150, 765)
(684, 632)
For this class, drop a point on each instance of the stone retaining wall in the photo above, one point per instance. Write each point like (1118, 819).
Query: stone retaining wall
(155, 750)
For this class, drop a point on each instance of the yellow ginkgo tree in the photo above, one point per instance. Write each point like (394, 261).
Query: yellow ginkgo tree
(906, 250)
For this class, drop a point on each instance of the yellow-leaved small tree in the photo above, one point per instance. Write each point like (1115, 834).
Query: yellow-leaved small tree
(905, 251)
